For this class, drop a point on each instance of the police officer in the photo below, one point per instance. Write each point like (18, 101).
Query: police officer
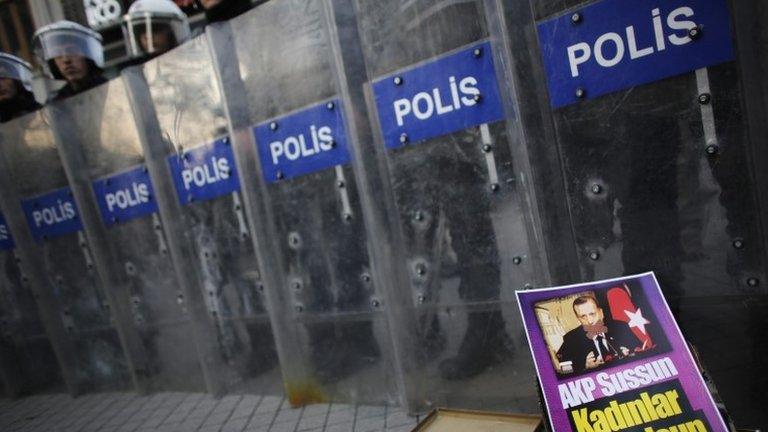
(442, 190)
(72, 53)
(152, 27)
(16, 96)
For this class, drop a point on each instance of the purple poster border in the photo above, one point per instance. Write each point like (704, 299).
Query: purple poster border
(689, 377)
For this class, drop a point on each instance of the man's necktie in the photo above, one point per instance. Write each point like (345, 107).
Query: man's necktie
(600, 345)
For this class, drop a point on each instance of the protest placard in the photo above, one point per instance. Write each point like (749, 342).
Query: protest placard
(610, 357)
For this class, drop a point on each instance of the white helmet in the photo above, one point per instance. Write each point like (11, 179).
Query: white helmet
(148, 18)
(67, 38)
(17, 69)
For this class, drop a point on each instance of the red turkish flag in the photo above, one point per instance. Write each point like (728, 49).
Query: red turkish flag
(623, 309)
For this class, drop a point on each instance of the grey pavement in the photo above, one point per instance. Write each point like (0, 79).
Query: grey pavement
(187, 412)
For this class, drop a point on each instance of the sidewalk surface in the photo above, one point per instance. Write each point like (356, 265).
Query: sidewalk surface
(186, 412)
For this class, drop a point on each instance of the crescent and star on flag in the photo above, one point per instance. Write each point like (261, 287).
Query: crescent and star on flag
(636, 319)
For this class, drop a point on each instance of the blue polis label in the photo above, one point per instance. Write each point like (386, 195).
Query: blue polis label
(451, 93)
(616, 44)
(52, 214)
(205, 172)
(6, 241)
(125, 196)
(306, 141)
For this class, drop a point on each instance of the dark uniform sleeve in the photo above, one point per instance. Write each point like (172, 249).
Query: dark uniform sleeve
(568, 352)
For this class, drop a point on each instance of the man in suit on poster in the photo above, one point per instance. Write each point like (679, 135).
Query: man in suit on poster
(597, 341)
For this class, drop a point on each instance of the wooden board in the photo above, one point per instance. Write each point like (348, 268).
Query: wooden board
(445, 420)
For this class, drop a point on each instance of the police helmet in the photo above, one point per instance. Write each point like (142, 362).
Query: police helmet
(147, 18)
(67, 38)
(16, 69)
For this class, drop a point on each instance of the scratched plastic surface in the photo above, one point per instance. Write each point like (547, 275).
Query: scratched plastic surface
(458, 204)
(102, 140)
(67, 266)
(189, 110)
(647, 192)
(26, 356)
(333, 313)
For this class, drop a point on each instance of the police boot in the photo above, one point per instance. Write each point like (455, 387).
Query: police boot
(433, 339)
(263, 352)
(485, 344)
(323, 342)
(353, 348)
(359, 339)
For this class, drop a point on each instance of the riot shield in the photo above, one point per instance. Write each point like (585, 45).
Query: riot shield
(198, 181)
(27, 361)
(659, 166)
(290, 134)
(442, 127)
(102, 154)
(56, 260)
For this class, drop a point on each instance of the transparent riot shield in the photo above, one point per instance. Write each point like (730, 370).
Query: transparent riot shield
(459, 197)
(198, 180)
(56, 260)
(100, 148)
(27, 361)
(660, 177)
(290, 134)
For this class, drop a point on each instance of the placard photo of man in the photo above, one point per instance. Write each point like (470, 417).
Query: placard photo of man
(597, 341)
(597, 328)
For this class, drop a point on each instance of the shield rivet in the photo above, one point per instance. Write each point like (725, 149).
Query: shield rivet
(695, 32)
(576, 18)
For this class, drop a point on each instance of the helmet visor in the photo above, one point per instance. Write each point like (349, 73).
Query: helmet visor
(16, 71)
(52, 44)
(149, 35)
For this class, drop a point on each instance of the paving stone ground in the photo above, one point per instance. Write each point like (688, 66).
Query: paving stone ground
(187, 412)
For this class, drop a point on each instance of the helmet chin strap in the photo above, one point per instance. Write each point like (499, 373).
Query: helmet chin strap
(150, 39)
(132, 39)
